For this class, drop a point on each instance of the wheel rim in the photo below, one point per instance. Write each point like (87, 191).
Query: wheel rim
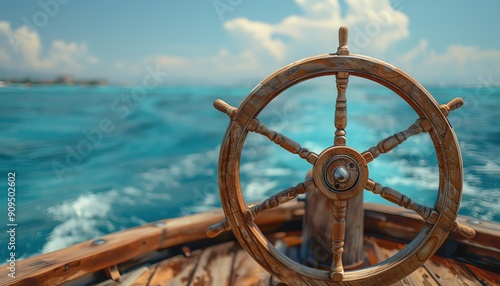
(443, 138)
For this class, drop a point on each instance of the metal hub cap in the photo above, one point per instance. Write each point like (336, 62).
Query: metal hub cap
(340, 174)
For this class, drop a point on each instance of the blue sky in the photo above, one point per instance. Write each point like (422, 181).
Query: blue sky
(242, 41)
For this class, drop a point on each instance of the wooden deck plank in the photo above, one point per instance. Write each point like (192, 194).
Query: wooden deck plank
(129, 278)
(373, 252)
(177, 270)
(419, 277)
(486, 277)
(215, 265)
(449, 272)
(146, 276)
(248, 272)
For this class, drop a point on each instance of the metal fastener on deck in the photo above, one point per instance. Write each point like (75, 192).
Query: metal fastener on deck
(187, 251)
(158, 224)
(99, 241)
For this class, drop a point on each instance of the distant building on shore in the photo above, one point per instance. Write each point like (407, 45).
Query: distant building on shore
(64, 79)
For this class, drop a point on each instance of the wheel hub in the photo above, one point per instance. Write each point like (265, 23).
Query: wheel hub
(340, 173)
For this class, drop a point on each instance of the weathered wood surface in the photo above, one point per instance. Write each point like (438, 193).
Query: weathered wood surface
(214, 266)
(382, 221)
(224, 264)
(228, 264)
(247, 272)
(316, 236)
(483, 250)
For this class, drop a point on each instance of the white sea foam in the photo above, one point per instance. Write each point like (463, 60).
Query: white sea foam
(208, 203)
(81, 219)
(95, 214)
(188, 167)
(256, 190)
(490, 167)
(260, 168)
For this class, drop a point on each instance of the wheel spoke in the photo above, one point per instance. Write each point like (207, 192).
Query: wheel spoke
(273, 201)
(427, 213)
(420, 125)
(342, 79)
(283, 141)
(338, 236)
(258, 127)
(399, 199)
(391, 142)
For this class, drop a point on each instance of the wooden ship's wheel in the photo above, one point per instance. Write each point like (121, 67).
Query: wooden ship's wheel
(341, 173)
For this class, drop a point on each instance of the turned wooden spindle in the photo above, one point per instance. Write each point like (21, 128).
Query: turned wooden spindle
(425, 212)
(338, 236)
(421, 125)
(391, 142)
(272, 202)
(399, 199)
(342, 80)
(222, 106)
(343, 34)
(452, 105)
(258, 127)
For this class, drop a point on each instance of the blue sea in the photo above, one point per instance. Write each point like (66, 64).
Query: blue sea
(94, 160)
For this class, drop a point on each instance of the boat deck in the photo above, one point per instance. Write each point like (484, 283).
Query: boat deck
(229, 264)
(177, 251)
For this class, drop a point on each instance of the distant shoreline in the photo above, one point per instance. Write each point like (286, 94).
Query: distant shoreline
(61, 80)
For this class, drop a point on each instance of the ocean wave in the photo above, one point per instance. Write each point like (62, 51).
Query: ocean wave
(87, 217)
(94, 214)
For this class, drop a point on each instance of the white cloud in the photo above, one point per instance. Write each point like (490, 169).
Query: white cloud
(458, 63)
(260, 35)
(265, 47)
(166, 61)
(375, 28)
(410, 56)
(222, 65)
(21, 50)
(464, 61)
(246, 61)
(373, 24)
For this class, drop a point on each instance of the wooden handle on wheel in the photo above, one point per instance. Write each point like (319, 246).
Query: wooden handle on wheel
(463, 230)
(218, 228)
(455, 103)
(222, 106)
